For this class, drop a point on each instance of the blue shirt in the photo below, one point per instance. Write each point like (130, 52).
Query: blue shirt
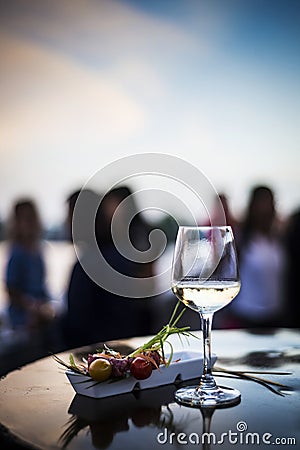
(25, 273)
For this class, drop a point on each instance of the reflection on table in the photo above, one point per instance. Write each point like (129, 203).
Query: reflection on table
(38, 405)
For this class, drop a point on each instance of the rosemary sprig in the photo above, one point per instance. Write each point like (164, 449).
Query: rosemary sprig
(72, 365)
(245, 375)
(157, 342)
(74, 425)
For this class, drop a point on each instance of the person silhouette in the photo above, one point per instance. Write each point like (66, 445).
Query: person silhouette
(292, 246)
(261, 256)
(28, 308)
(93, 313)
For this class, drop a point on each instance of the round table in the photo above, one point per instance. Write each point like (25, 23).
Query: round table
(39, 409)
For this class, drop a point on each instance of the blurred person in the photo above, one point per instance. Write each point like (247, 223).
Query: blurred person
(94, 314)
(169, 226)
(217, 217)
(28, 309)
(261, 259)
(292, 246)
(224, 317)
(138, 229)
(230, 218)
(1, 230)
(71, 202)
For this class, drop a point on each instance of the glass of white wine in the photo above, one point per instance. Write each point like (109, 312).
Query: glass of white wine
(205, 278)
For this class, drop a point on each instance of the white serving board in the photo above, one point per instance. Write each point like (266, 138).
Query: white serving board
(186, 366)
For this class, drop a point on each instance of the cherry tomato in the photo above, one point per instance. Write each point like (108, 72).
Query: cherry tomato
(100, 369)
(140, 368)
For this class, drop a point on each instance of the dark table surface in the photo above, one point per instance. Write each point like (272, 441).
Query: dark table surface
(38, 406)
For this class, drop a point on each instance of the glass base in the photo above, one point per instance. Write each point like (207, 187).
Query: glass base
(219, 396)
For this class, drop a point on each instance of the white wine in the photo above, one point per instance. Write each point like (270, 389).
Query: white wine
(205, 278)
(208, 297)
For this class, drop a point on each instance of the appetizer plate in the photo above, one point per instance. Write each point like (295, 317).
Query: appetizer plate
(185, 365)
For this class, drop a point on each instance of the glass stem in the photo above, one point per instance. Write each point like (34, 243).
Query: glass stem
(207, 380)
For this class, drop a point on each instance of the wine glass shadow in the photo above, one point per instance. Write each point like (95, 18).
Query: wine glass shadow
(207, 414)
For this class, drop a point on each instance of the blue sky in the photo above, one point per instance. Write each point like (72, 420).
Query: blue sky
(86, 82)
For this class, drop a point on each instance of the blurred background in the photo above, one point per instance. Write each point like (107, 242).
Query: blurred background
(85, 82)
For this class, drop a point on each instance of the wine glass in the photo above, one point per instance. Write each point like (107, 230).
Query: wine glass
(205, 278)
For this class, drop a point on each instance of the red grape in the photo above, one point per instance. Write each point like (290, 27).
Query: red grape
(140, 368)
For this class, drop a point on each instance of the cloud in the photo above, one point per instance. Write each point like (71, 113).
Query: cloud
(46, 95)
(83, 65)
(76, 78)
(95, 31)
